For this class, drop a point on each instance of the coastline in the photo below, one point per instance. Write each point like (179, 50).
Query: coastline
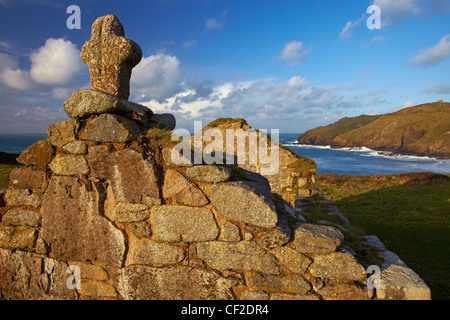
(382, 153)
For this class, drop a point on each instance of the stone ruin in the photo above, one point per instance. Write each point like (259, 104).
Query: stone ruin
(102, 196)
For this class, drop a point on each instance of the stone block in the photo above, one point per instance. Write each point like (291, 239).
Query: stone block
(178, 190)
(21, 237)
(35, 277)
(64, 132)
(68, 164)
(22, 217)
(76, 147)
(133, 178)
(239, 202)
(22, 197)
(73, 226)
(87, 102)
(243, 255)
(229, 232)
(316, 239)
(38, 154)
(345, 291)
(173, 283)
(27, 178)
(277, 236)
(96, 289)
(164, 121)
(209, 173)
(110, 128)
(129, 212)
(337, 265)
(285, 296)
(293, 260)
(90, 271)
(292, 283)
(100, 160)
(156, 254)
(399, 282)
(174, 223)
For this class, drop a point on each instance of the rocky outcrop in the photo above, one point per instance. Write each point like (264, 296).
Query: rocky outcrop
(101, 211)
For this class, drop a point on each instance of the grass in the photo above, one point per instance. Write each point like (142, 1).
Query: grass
(5, 169)
(302, 165)
(341, 126)
(410, 213)
(225, 122)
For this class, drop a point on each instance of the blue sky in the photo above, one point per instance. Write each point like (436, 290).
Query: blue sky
(287, 65)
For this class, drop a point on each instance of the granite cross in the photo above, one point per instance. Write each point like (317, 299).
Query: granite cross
(110, 57)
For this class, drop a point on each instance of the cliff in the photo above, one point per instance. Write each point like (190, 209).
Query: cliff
(422, 130)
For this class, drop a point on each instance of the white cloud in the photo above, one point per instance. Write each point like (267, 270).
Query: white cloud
(293, 104)
(345, 33)
(16, 79)
(61, 93)
(365, 72)
(157, 77)
(393, 12)
(55, 62)
(52, 64)
(5, 45)
(32, 119)
(432, 56)
(408, 104)
(47, 3)
(372, 41)
(8, 62)
(189, 43)
(216, 22)
(294, 53)
(438, 88)
(297, 82)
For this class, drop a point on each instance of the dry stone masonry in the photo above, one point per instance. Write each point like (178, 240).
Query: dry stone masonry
(102, 195)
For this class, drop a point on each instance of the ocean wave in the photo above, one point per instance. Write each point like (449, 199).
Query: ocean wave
(367, 152)
(356, 149)
(307, 146)
(410, 157)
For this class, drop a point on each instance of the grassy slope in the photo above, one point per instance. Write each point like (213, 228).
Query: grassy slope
(387, 131)
(5, 169)
(329, 132)
(410, 213)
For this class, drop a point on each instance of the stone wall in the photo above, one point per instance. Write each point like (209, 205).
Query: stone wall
(140, 227)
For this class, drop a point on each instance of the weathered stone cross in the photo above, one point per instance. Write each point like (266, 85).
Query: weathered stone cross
(110, 57)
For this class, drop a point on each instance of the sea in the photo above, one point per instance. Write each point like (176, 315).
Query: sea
(349, 161)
